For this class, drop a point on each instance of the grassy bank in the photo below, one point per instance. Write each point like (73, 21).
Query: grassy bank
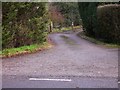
(98, 42)
(65, 29)
(24, 50)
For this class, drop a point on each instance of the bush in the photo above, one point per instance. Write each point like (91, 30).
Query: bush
(24, 23)
(101, 22)
(88, 14)
(109, 23)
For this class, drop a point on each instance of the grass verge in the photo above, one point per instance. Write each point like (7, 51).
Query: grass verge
(24, 50)
(65, 29)
(96, 41)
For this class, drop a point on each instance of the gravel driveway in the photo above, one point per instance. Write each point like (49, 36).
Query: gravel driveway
(71, 57)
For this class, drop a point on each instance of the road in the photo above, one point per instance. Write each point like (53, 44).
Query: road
(87, 65)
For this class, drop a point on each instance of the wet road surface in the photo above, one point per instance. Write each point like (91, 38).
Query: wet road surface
(86, 64)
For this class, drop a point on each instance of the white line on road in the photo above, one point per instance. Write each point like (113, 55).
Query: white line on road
(47, 79)
(118, 82)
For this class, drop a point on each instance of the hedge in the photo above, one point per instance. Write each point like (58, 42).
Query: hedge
(101, 22)
(23, 23)
(88, 14)
(109, 23)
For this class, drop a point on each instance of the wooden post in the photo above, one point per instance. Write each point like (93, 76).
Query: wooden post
(51, 26)
(72, 26)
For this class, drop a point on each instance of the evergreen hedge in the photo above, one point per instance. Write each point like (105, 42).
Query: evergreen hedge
(23, 23)
(109, 22)
(101, 22)
(88, 14)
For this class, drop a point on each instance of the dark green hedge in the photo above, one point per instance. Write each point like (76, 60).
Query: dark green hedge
(101, 22)
(109, 22)
(23, 23)
(88, 15)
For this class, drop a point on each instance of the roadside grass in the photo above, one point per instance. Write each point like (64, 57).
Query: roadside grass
(77, 27)
(63, 29)
(98, 42)
(24, 49)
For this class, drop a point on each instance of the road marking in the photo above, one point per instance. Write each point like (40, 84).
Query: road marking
(118, 82)
(47, 79)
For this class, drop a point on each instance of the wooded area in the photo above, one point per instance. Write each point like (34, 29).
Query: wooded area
(26, 23)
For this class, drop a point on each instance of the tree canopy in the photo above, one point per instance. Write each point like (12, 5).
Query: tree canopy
(68, 11)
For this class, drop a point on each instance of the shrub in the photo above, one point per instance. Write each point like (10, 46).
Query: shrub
(101, 22)
(109, 23)
(88, 14)
(23, 23)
